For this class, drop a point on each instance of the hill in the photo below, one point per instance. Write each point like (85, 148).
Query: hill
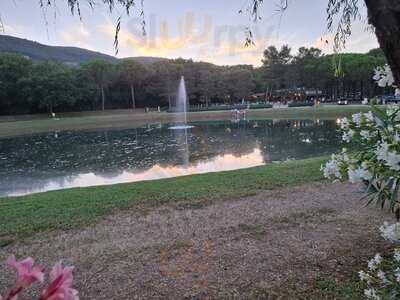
(68, 55)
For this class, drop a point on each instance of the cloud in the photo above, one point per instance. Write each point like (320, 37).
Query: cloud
(223, 45)
(78, 35)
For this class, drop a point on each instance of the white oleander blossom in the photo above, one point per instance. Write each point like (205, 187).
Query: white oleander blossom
(348, 136)
(393, 160)
(357, 118)
(396, 257)
(365, 134)
(371, 294)
(359, 174)
(375, 158)
(381, 279)
(336, 167)
(384, 76)
(369, 117)
(390, 232)
(331, 169)
(344, 123)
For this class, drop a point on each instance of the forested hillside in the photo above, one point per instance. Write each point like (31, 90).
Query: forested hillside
(70, 55)
(40, 52)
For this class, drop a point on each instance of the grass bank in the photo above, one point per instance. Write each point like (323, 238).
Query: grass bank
(129, 119)
(74, 208)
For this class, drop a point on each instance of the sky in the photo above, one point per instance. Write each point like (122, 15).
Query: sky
(206, 30)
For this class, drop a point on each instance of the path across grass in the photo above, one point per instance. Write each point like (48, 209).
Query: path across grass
(75, 208)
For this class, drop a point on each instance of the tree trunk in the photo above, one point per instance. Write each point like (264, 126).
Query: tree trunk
(133, 97)
(103, 98)
(384, 15)
(362, 90)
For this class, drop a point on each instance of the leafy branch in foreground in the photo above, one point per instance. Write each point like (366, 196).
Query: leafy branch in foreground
(377, 161)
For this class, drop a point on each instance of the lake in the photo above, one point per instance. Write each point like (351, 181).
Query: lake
(66, 159)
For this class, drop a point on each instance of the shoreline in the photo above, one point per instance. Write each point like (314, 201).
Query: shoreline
(127, 119)
(25, 216)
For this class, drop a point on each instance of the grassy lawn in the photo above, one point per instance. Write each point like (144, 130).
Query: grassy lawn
(74, 208)
(127, 119)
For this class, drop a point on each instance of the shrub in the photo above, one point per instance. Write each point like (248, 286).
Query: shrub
(376, 163)
(225, 107)
(300, 104)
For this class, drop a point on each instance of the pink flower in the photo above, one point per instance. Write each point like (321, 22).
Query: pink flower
(27, 274)
(60, 284)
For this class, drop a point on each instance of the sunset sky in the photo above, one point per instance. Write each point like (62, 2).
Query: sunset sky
(208, 30)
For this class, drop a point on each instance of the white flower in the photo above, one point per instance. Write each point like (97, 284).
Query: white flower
(381, 275)
(347, 136)
(396, 257)
(378, 258)
(371, 294)
(393, 161)
(369, 116)
(397, 274)
(374, 262)
(365, 134)
(344, 123)
(331, 169)
(384, 76)
(391, 232)
(382, 151)
(371, 264)
(359, 174)
(357, 118)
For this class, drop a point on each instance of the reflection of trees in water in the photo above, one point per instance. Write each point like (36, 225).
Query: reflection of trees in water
(109, 152)
(299, 139)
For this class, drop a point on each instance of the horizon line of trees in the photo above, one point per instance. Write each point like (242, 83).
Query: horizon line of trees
(48, 86)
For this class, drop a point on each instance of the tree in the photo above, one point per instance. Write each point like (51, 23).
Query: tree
(14, 69)
(303, 73)
(100, 72)
(23, 84)
(275, 64)
(238, 82)
(163, 80)
(383, 15)
(51, 85)
(131, 73)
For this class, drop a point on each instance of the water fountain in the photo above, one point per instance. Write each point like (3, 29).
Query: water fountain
(181, 107)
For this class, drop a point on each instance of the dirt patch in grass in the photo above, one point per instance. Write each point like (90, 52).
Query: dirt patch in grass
(294, 243)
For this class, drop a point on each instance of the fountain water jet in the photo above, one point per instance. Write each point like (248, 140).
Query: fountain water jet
(181, 106)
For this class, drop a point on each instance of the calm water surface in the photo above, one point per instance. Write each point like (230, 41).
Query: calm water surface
(58, 160)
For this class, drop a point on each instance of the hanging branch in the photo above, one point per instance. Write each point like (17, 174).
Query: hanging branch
(342, 13)
(128, 5)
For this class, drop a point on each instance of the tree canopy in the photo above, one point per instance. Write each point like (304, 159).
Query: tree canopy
(30, 87)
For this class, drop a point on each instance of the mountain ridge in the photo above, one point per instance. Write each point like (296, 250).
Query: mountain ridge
(64, 54)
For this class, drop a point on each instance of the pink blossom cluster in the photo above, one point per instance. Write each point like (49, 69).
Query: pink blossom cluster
(58, 288)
